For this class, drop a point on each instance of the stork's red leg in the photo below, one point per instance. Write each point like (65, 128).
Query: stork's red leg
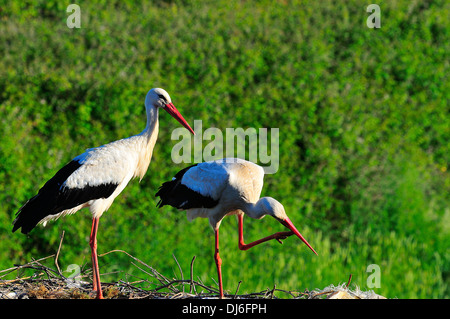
(243, 246)
(218, 262)
(96, 272)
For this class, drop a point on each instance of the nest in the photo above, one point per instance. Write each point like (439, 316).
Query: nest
(49, 283)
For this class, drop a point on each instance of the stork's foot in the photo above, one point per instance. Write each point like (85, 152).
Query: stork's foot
(96, 294)
(282, 235)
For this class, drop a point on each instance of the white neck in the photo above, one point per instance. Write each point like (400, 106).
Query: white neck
(255, 210)
(152, 121)
(148, 137)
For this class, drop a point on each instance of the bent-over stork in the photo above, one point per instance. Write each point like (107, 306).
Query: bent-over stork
(95, 178)
(224, 187)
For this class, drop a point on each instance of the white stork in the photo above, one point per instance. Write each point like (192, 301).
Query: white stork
(224, 187)
(96, 177)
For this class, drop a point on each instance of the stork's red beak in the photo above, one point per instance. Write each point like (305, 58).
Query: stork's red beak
(287, 223)
(172, 110)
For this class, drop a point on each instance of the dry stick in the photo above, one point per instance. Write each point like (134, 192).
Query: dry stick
(191, 281)
(330, 291)
(199, 280)
(237, 289)
(131, 286)
(192, 274)
(323, 293)
(212, 290)
(57, 254)
(303, 294)
(286, 292)
(141, 280)
(156, 274)
(269, 293)
(152, 275)
(46, 269)
(349, 280)
(179, 267)
(167, 285)
(272, 291)
(17, 267)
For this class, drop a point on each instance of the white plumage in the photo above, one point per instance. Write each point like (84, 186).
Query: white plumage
(211, 178)
(233, 182)
(96, 177)
(224, 187)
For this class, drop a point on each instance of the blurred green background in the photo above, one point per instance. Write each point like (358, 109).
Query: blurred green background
(363, 116)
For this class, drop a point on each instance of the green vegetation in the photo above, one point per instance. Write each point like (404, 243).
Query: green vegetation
(363, 117)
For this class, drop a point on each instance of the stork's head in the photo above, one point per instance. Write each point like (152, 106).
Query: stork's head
(160, 98)
(275, 209)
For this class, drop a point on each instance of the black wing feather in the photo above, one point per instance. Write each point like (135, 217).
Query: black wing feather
(53, 199)
(180, 196)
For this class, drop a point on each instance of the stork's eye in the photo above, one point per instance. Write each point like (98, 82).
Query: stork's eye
(162, 97)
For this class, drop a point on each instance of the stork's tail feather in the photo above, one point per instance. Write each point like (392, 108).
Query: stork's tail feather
(167, 191)
(29, 215)
(45, 202)
(178, 195)
(164, 192)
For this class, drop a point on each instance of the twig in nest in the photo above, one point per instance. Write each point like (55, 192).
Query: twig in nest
(179, 268)
(17, 267)
(152, 275)
(237, 289)
(192, 274)
(185, 281)
(270, 293)
(57, 254)
(323, 293)
(349, 280)
(162, 279)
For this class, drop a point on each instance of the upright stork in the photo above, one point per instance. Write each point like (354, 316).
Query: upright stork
(224, 187)
(96, 177)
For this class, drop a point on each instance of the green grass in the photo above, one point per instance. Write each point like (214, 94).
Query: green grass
(363, 118)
